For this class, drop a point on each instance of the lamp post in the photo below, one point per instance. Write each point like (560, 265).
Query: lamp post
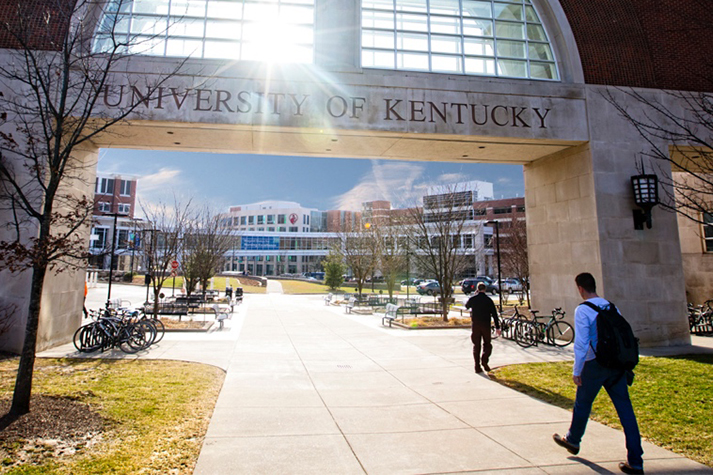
(133, 246)
(149, 263)
(500, 278)
(113, 248)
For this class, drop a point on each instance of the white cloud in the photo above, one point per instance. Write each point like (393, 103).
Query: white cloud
(401, 183)
(161, 180)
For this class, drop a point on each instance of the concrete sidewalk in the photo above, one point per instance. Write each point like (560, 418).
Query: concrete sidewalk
(310, 389)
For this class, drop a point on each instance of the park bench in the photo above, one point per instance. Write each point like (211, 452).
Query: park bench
(350, 305)
(220, 314)
(390, 314)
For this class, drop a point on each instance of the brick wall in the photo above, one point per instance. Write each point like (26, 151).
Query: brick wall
(644, 43)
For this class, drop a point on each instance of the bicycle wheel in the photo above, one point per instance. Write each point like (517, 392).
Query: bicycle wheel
(132, 339)
(160, 328)
(525, 334)
(560, 334)
(149, 328)
(87, 338)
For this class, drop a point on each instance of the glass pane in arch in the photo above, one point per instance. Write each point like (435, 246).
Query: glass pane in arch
(378, 4)
(419, 6)
(411, 22)
(451, 64)
(377, 19)
(478, 47)
(480, 66)
(412, 61)
(477, 27)
(445, 24)
(445, 7)
(477, 8)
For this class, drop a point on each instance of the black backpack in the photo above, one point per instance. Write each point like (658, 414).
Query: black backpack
(617, 347)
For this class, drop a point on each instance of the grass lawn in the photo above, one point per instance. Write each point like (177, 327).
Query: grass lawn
(155, 415)
(672, 398)
(305, 287)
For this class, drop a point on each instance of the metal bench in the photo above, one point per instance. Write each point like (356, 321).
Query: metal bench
(220, 315)
(390, 314)
(328, 299)
(350, 305)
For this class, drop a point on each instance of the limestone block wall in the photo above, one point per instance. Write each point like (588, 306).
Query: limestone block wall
(63, 293)
(697, 263)
(562, 227)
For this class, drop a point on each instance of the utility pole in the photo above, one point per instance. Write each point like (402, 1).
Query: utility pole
(113, 248)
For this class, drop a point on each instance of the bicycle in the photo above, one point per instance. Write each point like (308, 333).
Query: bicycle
(114, 328)
(555, 332)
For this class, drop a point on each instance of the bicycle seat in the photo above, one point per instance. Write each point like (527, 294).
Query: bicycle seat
(534, 313)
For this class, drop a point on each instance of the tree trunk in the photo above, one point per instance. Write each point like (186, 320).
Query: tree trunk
(23, 383)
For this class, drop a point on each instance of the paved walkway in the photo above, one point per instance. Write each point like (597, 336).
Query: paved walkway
(309, 389)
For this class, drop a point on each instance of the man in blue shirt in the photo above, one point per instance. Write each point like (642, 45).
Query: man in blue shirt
(590, 376)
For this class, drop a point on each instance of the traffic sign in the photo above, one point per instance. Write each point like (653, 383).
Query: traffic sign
(174, 265)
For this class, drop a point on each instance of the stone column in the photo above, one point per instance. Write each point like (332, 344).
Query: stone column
(579, 217)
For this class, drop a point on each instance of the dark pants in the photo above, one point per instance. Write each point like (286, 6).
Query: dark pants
(481, 333)
(594, 377)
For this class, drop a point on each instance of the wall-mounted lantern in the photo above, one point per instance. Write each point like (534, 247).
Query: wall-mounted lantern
(646, 196)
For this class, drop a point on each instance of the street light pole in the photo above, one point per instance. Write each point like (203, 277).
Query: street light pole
(113, 248)
(500, 277)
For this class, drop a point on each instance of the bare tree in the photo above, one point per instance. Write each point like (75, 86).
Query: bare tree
(678, 127)
(359, 250)
(206, 241)
(53, 80)
(163, 241)
(438, 227)
(513, 251)
(391, 253)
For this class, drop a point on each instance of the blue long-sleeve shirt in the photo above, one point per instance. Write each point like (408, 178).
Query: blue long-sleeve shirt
(585, 333)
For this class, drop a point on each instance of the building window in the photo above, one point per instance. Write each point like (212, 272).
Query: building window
(99, 238)
(105, 186)
(251, 219)
(249, 30)
(282, 229)
(708, 231)
(478, 37)
(123, 208)
(242, 220)
(271, 229)
(503, 210)
(104, 207)
(281, 219)
(293, 229)
(270, 219)
(124, 188)
(261, 219)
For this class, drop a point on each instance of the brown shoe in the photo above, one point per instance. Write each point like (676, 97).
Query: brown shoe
(563, 442)
(626, 468)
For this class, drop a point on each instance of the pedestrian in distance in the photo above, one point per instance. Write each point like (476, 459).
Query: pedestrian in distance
(589, 375)
(482, 309)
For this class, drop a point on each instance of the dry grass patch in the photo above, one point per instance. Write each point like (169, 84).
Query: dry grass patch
(672, 398)
(127, 417)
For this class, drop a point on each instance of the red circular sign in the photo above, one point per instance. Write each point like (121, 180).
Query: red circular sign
(293, 218)
(174, 265)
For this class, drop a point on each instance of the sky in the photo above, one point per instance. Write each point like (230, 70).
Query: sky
(224, 180)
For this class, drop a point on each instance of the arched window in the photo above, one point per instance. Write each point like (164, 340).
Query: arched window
(480, 37)
(278, 30)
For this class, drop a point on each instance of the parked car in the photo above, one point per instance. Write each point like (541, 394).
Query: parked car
(511, 285)
(428, 288)
(468, 286)
(411, 281)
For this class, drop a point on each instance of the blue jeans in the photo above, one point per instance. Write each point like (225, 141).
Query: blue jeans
(594, 376)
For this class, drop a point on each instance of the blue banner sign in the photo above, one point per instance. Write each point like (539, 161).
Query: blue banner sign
(259, 243)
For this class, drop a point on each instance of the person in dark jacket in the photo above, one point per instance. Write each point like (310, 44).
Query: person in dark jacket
(482, 309)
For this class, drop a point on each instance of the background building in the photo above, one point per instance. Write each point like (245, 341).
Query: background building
(115, 195)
